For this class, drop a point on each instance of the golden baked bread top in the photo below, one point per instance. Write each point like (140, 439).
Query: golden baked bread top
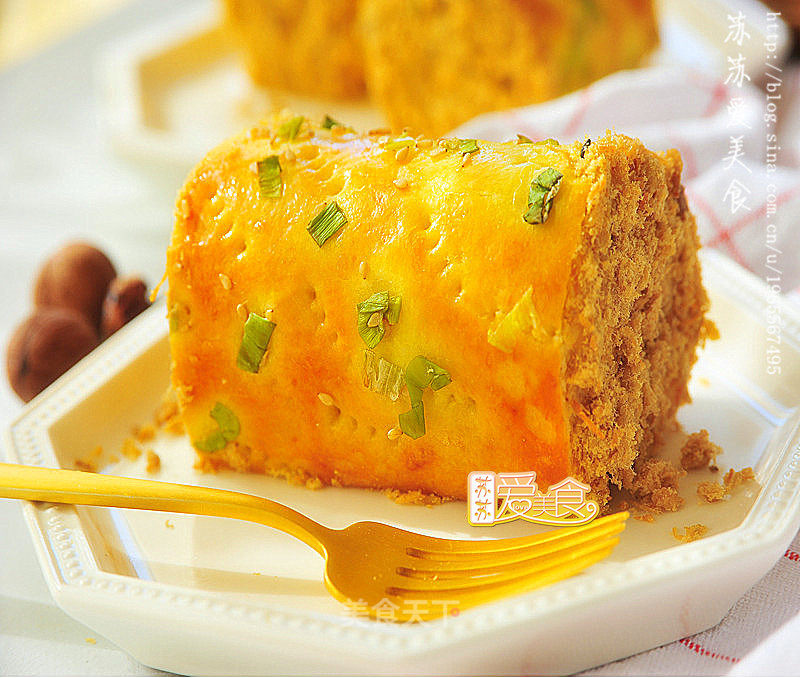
(438, 225)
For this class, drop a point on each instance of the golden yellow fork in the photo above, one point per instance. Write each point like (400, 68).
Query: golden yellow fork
(376, 569)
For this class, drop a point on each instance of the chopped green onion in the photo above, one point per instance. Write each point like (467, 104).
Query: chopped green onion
(521, 320)
(228, 428)
(257, 333)
(544, 186)
(522, 139)
(393, 312)
(270, 184)
(227, 420)
(420, 374)
(466, 146)
(412, 423)
(382, 376)
(213, 442)
(326, 223)
(178, 317)
(387, 307)
(289, 129)
(377, 303)
(329, 123)
(400, 142)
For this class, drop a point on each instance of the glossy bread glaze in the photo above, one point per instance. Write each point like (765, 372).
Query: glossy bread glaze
(441, 229)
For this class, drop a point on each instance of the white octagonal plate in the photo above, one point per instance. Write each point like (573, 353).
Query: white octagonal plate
(208, 595)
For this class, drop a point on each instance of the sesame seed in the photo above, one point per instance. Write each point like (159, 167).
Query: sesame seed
(241, 311)
(402, 154)
(363, 269)
(466, 159)
(226, 281)
(401, 183)
(394, 433)
(325, 398)
(375, 319)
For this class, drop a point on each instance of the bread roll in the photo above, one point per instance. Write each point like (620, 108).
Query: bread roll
(542, 301)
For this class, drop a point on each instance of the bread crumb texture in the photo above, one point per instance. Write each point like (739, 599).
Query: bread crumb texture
(153, 462)
(713, 492)
(690, 533)
(655, 486)
(698, 451)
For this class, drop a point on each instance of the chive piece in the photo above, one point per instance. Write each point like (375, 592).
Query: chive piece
(257, 333)
(178, 317)
(400, 142)
(329, 123)
(420, 374)
(377, 303)
(544, 186)
(227, 420)
(522, 139)
(387, 306)
(468, 146)
(393, 312)
(585, 146)
(227, 429)
(270, 184)
(371, 335)
(214, 442)
(326, 223)
(412, 423)
(289, 129)
(521, 320)
(382, 376)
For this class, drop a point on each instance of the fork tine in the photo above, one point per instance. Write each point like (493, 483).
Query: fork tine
(525, 548)
(443, 549)
(458, 576)
(469, 596)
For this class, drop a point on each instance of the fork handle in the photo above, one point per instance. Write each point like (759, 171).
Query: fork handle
(61, 486)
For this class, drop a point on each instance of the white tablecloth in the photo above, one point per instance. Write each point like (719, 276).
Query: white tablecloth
(59, 180)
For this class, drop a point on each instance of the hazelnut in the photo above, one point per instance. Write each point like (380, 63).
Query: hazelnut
(76, 277)
(126, 298)
(45, 346)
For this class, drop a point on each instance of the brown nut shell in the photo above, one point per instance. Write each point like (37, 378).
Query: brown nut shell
(126, 298)
(76, 277)
(45, 346)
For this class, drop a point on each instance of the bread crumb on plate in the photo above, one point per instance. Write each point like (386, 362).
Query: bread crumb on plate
(698, 451)
(690, 533)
